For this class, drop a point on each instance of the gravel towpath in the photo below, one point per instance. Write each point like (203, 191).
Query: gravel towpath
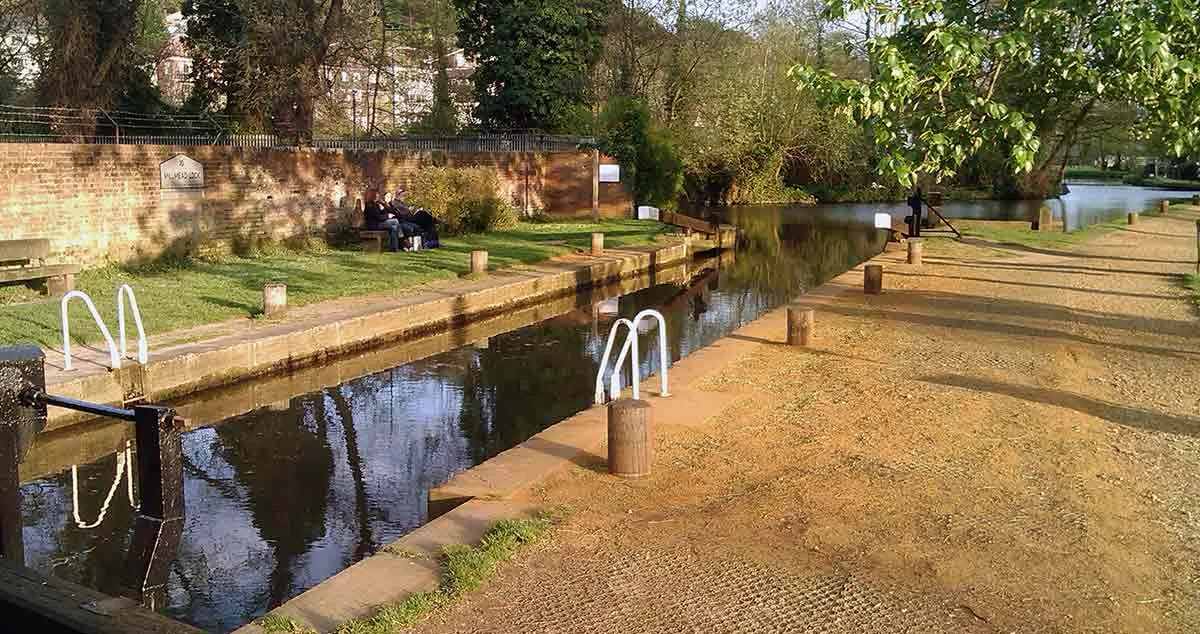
(1006, 440)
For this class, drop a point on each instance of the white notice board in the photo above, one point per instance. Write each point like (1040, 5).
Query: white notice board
(610, 173)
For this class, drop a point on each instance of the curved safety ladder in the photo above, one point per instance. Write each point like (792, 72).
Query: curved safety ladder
(630, 348)
(124, 291)
(124, 469)
(114, 358)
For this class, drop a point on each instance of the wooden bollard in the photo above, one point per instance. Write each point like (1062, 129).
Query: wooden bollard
(1163, 206)
(479, 261)
(1133, 218)
(873, 279)
(1045, 219)
(597, 244)
(800, 325)
(629, 438)
(916, 250)
(274, 301)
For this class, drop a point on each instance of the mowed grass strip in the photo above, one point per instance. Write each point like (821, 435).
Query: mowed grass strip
(174, 295)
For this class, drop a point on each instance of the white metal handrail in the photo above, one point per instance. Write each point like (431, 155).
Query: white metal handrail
(114, 358)
(123, 458)
(630, 348)
(612, 334)
(124, 291)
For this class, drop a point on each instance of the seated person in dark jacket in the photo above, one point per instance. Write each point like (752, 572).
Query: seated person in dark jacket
(402, 213)
(379, 218)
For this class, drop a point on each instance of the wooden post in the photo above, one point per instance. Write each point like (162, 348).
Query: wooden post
(1133, 218)
(799, 325)
(1198, 247)
(629, 438)
(595, 184)
(1163, 206)
(597, 244)
(479, 261)
(274, 300)
(916, 249)
(1045, 219)
(873, 279)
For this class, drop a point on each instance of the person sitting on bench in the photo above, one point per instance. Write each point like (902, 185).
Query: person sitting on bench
(402, 213)
(378, 218)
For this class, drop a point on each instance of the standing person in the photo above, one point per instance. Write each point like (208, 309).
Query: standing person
(378, 218)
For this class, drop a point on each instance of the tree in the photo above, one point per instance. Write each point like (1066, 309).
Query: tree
(534, 60)
(647, 156)
(952, 77)
(93, 51)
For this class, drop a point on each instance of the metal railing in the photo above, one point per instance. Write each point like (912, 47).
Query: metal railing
(630, 349)
(113, 358)
(98, 126)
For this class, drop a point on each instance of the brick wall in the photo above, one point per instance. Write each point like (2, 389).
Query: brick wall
(100, 203)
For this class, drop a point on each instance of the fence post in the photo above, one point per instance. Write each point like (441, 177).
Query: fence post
(20, 367)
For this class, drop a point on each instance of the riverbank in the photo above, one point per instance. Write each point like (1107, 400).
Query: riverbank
(1001, 441)
(196, 359)
(182, 294)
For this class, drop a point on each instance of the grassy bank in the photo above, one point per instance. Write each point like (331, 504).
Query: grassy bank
(464, 569)
(1163, 183)
(175, 295)
(1089, 172)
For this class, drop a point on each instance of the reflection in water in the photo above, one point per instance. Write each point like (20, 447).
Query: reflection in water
(1086, 204)
(284, 497)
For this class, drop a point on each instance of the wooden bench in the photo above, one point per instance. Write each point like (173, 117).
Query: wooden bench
(24, 261)
(372, 241)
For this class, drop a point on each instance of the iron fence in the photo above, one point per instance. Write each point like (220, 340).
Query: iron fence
(29, 124)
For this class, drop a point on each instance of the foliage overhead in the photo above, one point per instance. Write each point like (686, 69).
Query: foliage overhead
(534, 59)
(647, 156)
(953, 77)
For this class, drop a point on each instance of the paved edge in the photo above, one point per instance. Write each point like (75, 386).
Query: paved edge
(257, 351)
(467, 505)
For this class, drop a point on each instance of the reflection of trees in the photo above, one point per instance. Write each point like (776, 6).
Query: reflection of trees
(354, 460)
(779, 258)
(285, 467)
(525, 381)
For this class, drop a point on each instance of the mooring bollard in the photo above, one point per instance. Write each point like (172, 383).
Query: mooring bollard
(597, 244)
(916, 249)
(479, 261)
(1163, 206)
(1045, 219)
(1133, 218)
(873, 279)
(629, 438)
(800, 325)
(274, 301)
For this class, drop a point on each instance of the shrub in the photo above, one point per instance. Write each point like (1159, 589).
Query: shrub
(649, 159)
(466, 199)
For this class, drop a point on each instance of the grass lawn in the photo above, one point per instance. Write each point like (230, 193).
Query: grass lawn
(1019, 233)
(1091, 172)
(178, 295)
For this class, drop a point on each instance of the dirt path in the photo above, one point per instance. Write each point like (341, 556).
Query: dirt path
(1004, 441)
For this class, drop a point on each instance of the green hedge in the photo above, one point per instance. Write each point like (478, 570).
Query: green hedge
(466, 199)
